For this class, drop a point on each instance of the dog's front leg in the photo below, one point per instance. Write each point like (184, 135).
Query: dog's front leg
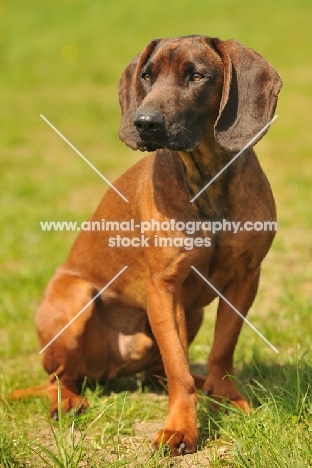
(219, 383)
(167, 319)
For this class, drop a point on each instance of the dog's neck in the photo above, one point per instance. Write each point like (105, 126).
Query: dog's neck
(200, 166)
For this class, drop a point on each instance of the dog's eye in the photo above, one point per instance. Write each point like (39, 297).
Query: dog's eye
(146, 77)
(197, 77)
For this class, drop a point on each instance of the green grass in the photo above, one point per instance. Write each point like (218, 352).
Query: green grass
(63, 59)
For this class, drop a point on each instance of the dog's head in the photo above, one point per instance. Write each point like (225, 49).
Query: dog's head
(178, 90)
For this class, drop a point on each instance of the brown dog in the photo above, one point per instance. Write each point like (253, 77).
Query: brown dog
(195, 101)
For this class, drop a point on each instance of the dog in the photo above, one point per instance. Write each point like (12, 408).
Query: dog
(192, 102)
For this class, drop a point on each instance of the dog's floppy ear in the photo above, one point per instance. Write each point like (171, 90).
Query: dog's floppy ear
(249, 95)
(130, 95)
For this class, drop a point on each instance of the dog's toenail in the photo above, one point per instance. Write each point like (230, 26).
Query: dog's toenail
(182, 448)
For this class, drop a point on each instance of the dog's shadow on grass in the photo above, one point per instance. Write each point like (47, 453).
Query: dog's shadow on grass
(134, 383)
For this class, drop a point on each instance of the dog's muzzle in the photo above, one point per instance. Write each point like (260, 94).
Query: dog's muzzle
(151, 130)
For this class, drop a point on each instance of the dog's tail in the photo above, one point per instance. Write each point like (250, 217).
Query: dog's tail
(41, 390)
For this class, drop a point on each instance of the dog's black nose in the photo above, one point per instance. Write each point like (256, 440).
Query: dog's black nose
(148, 123)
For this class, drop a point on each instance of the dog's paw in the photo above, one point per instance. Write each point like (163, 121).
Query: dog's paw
(77, 403)
(241, 404)
(223, 391)
(236, 400)
(176, 442)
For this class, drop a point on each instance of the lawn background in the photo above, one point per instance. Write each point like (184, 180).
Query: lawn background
(63, 59)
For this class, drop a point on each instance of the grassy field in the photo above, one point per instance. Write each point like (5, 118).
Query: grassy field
(63, 59)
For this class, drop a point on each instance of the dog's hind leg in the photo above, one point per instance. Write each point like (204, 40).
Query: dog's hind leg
(73, 342)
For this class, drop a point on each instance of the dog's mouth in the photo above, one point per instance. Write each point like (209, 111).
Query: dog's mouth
(150, 147)
(173, 146)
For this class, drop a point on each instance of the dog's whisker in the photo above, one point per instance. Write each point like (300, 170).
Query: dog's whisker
(184, 128)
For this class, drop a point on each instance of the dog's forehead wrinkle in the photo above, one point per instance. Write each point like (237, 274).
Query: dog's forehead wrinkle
(180, 58)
